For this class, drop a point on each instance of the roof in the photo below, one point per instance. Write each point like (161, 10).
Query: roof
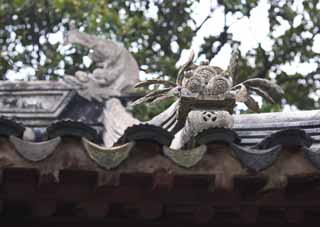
(39, 104)
(265, 169)
(262, 141)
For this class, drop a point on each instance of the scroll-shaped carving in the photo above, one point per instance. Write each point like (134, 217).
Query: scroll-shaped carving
(185, 158)
(107, 158)
(35, 151)
(117, 69)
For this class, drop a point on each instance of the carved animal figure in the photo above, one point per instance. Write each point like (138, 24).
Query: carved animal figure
(117, 69)
(206, 98)
(202, 88)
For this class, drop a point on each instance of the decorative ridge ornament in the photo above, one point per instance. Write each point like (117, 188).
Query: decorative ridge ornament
(205, 82)
(202, 114)
(117, 69)
(206, 97)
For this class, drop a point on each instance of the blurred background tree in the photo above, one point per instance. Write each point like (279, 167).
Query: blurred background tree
(156, 32)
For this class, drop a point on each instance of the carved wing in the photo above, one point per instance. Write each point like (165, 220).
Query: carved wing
(262, 87)
(231, 71)
(173, 89)
(184, 67)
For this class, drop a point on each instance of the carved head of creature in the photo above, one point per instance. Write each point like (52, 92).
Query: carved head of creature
(205, 84)
(205, 80)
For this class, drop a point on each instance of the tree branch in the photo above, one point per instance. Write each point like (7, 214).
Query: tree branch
(202, 23)
(212, 9)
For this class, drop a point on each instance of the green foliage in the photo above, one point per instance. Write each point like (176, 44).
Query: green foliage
(29, 23)
(295, 44)
(149, 38)
(146, 111)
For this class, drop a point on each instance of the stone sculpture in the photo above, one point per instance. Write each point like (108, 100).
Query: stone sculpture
(117, 69)
(41, 103)
(201, 115)
(206, 98)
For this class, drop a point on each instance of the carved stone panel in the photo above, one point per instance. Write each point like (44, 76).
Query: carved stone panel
(31, 103)
(35, 103)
